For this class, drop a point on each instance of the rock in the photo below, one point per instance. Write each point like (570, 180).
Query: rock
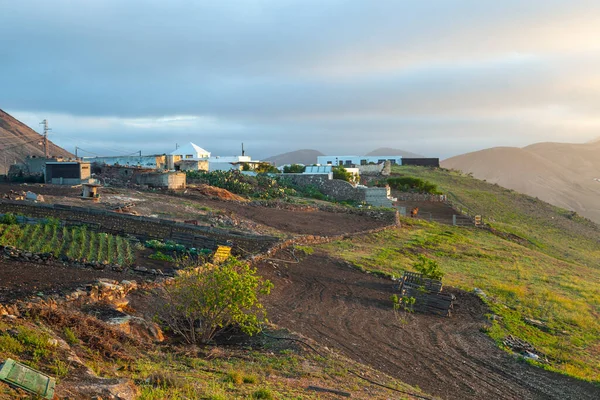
(98, 388)
(531, 356)
(538, 324)
(141, 269)
(480, 293)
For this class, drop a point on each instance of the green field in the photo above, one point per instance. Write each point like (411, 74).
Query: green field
(77, 243)
(555, 278)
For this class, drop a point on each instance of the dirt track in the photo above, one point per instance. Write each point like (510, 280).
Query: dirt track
(340, 307)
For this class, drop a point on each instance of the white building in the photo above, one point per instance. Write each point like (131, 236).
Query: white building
(190, 151)
(348, 161)
(227, 163)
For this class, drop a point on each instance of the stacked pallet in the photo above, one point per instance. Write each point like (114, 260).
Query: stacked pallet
(427, 294)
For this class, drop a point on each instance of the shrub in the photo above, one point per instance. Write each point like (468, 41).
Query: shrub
(261, 186)
(429, 268)
(341, 173)
(8, 219)
(263, 394)
(161, 257)
(294, 169)
(200, 303)
(411, 184)
(266, 168)
(235, 377)
(10, 345)
(70, 336)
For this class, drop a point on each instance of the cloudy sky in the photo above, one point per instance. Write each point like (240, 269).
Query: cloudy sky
(437, 77)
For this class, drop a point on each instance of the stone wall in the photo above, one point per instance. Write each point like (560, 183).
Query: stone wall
(376, 196)
(169, 180)
(142, 227)
(403, 196)
(370, 169)
(334, 188)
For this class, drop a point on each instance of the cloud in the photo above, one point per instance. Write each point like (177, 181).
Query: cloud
(435, 77)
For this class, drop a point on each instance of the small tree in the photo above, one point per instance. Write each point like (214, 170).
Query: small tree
(342, 173)
(294, 169)
(266, 168)
(203, 301)
(429, 268)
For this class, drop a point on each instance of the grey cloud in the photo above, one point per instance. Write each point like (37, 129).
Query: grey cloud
(282, 73)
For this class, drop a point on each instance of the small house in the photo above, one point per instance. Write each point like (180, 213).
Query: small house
(68, 172)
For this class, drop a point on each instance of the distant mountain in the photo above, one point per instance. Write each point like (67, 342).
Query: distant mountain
(387, 151)
(18, 141)
(304, 156)
(564, 174)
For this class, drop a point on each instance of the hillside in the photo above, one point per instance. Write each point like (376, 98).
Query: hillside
(304, 156)
(388, 151)
(18, 141)
(562, 174)
(539, 262)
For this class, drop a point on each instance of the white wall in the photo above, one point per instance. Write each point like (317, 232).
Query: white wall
(357, 160)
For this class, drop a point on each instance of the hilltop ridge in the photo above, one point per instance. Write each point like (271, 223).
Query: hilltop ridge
(17, 141)
(563, 174)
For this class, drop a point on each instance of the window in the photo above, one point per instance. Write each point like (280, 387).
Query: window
(363, 162)
(392, 161)
(189, 156)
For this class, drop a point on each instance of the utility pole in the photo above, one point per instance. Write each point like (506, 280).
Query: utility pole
(46, 130)
(243, 152)
(76, 152)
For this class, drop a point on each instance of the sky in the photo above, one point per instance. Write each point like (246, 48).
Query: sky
(435, 77)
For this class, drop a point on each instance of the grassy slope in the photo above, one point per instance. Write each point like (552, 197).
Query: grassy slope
(277, 371)
(554, 279)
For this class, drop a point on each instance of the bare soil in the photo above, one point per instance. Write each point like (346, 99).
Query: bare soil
(19, 280)
(304, 221)
(341, 307)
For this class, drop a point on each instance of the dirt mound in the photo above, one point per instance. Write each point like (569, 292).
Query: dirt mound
(340, 307)
(218, 193)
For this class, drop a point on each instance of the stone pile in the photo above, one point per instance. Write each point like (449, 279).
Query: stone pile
(13, 253)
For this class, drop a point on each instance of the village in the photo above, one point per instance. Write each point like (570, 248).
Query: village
(98, 241)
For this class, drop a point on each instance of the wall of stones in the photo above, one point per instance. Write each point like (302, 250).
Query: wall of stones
(403, 196)
(143, 227)
(334, 188)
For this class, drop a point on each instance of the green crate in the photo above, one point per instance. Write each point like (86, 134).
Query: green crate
(26, 378)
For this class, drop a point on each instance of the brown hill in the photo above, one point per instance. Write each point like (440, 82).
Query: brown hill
(388, 151)
(564, 174)
(18, 141)
(304, 156)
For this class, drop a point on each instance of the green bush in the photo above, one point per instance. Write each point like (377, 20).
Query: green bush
(339, 172)
(261, 186)
(161, 257)
(263, 394)
(265, 168)
(411, 184)
(294, 169)
(429, 268)
(8, 219)
(200, 303)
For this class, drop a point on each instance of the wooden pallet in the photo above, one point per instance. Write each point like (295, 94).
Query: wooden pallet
(427, 294)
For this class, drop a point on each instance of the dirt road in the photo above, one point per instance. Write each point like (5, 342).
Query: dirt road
(345, 309)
